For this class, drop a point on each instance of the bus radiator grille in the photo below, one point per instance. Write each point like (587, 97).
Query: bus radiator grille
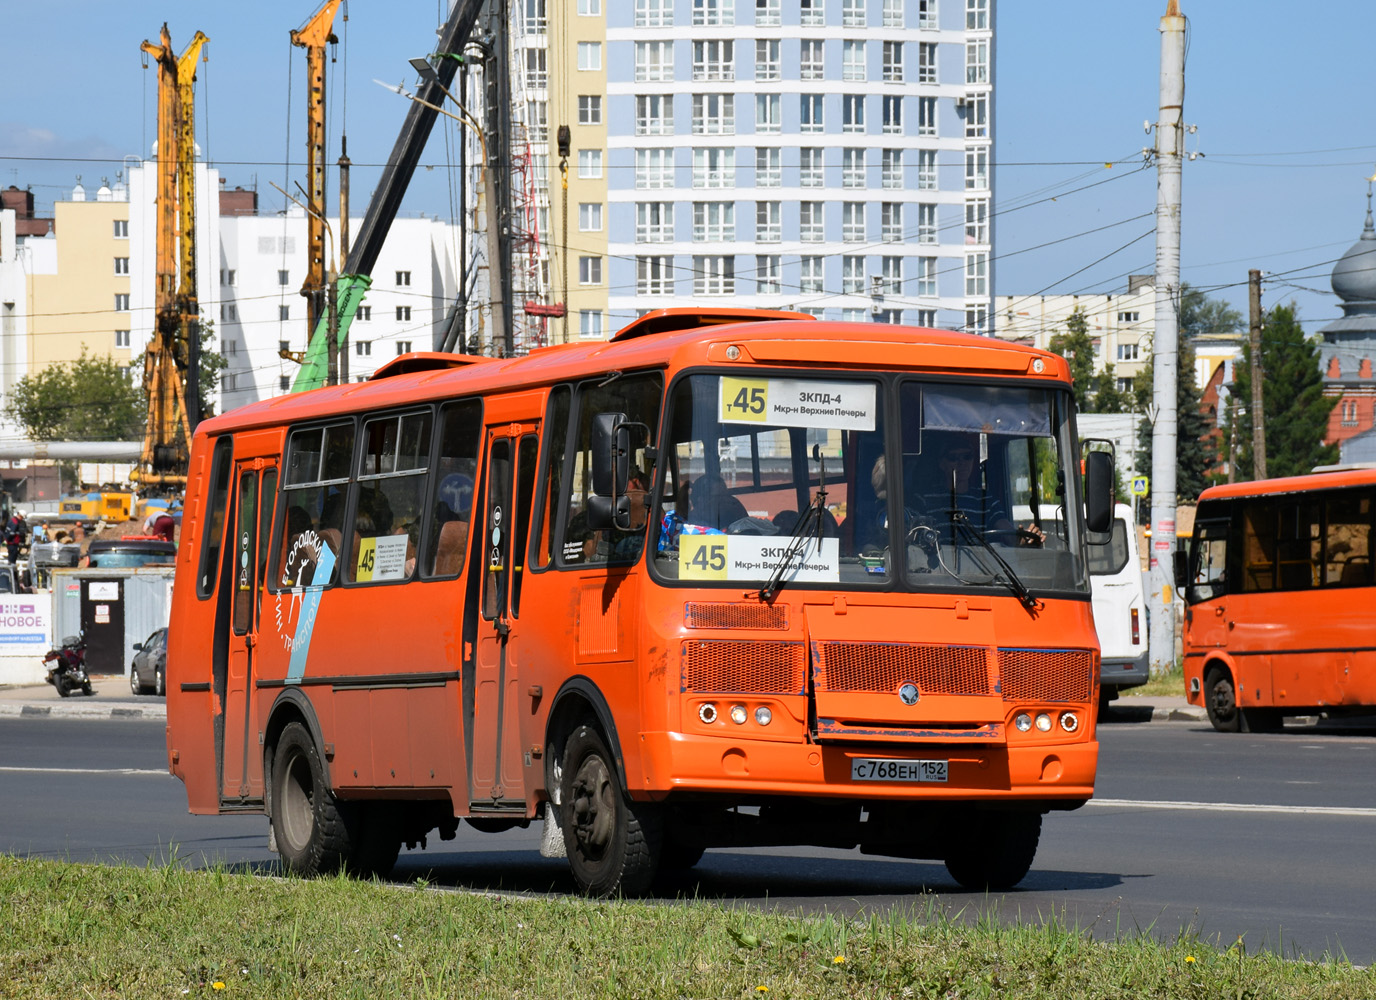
(699, 614)
(883, 667)
(1047, 674)
(744, 667)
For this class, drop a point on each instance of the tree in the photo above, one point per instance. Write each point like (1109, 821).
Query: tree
(1200, 314)
(90, 399)
(1295, 409)
(1077, 348)
(1108, 398)
(212, 363)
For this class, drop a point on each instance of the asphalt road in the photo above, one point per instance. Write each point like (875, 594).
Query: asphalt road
(1268, 836)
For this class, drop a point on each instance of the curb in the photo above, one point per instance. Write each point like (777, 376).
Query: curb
(1191, 714)
(48, 711)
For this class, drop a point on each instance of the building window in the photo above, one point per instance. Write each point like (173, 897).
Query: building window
(283, 314)
(853, 167)
(227, 277)
(714, 167)
(852, 59)
(893, 62)
(589, 109)
(976, 320)
(977, 60)
(714, 60)
(537, 70)
(284, 277)
(403, 347)
(714, 12)
(976, 15)
(853, 112)
(767, 114)
(284, 383)
(283, 348)
(852, 275)
(891, 222)
(768, 167)
(590, 217)
(926, 62)
(537, 120)
(228, 312)
(654, 168)
(767, 59)
(714, 221)
(1128, 352)
(403, 279)
(121, 338)
(976, 275)
(590, 324)
(654, 61)
(767, 13)
(654, 13)
(1129, 317)
(714, 275)
(926, 276)
(589, 55)
(403, 314)
(926, 116)
(364, 314)
(589, 163)
(768, 222)
(654, 222)
(654, 114)
(767, 275)
(852, 222)
(977, 221)
(893, 114)
(812, 13)
(714, 114)
(926, 317)
(810, 113)
(892, 269)
(891, 169)
(122, 265)
(893, 13)
(926, 223)
(363, 348)
(536, 16)
(1125, 385)
(810, 166)
(926, 169)
(810, 226)
(654, 275)
(589, 8)
(852, 13)
(810, 276)
(977, 169)
(121, 229)
(810, 66)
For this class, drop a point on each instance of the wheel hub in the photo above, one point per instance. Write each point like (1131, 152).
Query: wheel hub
(594, 809)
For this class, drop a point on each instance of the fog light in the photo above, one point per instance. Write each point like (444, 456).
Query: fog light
(763, 715)
(707, 712)
(739, 714)
(1070, 721)
(1043, 722)
(1023, 722)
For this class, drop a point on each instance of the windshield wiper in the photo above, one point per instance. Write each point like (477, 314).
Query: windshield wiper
(812, 515)
(1010, 579)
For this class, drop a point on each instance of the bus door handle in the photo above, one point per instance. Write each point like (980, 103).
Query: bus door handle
(1219, 612)
(503, 629)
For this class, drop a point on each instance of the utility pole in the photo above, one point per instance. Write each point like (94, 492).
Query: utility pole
(344, 164)
(1166, 346)
(1254, 339)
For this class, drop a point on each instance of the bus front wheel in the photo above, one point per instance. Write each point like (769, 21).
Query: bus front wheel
(306, 820)
(1220, 701)
(613, 843)
(996, 852)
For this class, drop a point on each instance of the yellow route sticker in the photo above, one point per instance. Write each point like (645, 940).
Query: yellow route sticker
(744, 399)
(702, 557)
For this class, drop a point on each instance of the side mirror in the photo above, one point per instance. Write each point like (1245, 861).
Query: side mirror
(610, 454)
(1182, 570)
(138, 646)
(1098, 491)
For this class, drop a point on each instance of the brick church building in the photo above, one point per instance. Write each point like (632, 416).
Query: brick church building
(1349, 348)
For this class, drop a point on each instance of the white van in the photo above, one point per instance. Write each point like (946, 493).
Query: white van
(1120, 606)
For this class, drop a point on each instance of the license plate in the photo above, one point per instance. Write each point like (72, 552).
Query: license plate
(879, 769)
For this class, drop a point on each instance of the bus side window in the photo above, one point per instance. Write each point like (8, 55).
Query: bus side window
(451, 498)
(556, 447)
(315, 484)
(1347, 549)
(1258, 546)
(389, 497)
(209, 569)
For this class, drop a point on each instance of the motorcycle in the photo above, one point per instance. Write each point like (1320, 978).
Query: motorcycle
(67, 667)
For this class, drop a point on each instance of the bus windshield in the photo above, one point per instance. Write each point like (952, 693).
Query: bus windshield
(748, 456)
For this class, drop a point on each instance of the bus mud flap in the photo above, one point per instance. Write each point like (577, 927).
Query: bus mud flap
(552, 841)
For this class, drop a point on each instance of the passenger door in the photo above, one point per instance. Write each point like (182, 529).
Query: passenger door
(255, 493)
(496, 767)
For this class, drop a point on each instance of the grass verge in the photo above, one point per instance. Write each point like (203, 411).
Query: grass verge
(1172, 682)
(105, 931)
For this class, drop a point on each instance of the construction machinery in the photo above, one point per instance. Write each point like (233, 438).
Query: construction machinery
(172, 359)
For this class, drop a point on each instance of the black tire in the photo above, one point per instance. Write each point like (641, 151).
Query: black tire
(159, 682)
(1220, 701)
(86, 688)
(613, 843)
(997, 852)
(134, 686)
(64, 686)
(676, 856)
(311, 833)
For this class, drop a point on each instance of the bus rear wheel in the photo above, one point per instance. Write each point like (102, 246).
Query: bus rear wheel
(307, 822)
(997, 852)
(613, 843)
(1220, 701)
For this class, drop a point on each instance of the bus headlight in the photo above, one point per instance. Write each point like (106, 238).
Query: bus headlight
(707, 712)
(1023, 721)
(1070, 722)
(1043, 722)
(763, 715)
(739, 714)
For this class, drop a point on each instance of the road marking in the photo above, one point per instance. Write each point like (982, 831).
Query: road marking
(82, 770)
(1243, 807)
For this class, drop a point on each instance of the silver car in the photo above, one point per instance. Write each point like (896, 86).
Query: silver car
(147, 674)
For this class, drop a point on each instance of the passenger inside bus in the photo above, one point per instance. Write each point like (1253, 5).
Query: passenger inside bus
(710, 505)
(452, 511)
(955, 486)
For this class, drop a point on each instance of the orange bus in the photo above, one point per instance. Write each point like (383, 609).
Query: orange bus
(660, 593)
(1278, 599)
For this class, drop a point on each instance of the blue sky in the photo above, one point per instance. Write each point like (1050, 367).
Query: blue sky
(1285, 104)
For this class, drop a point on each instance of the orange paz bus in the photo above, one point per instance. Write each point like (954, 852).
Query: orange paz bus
(731, 578)
(1278, 599)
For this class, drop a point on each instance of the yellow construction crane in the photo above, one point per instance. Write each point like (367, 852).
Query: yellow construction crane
(170, 361)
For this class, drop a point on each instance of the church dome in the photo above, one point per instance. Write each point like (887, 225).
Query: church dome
(1354, 276)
